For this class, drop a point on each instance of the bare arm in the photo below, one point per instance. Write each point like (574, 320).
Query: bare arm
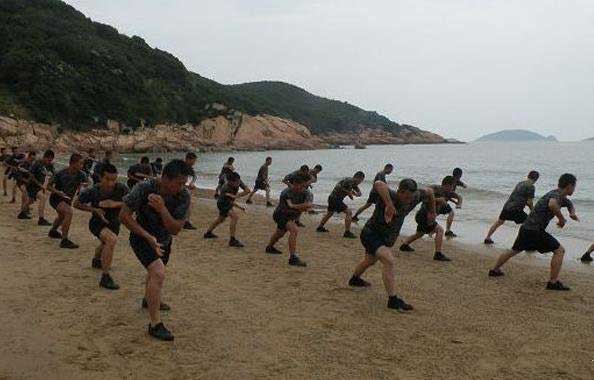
(384, 192)
(556, 209)
(299, 206)
(430, 202)
(530, 203)
(172, 225)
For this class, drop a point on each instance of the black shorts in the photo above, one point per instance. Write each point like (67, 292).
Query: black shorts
(517, 216)
(423, 226)
(32, 193)
(445, 209)
(260, 185)
(336, 205)
(540, 241)
(224, 209)
(373, 240)
(373, 197)
(281, 220)
(145, 253)
(55, 201)
(97, 227)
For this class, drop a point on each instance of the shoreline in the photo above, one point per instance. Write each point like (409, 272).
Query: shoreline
(245, 314)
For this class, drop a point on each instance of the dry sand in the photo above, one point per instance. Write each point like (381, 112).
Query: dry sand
(244, 314)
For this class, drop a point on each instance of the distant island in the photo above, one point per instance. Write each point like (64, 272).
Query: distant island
(515, 135)
(590, 139)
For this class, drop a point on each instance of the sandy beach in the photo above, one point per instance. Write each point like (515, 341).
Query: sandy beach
(244, 314)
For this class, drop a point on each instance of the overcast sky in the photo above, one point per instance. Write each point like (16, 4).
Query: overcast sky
(460, 68)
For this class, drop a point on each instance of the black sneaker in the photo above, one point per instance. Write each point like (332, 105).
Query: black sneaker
(269, 204)
(450, 234)
(163, 306)
(586, 258)
(54, 234)
(438, 256)
(108, 283)
(210, 235)
(248, 202)
(299, 224)
(321, 229)
(398, 304)
(188, 225)
(160, 332)
(235, 243)
(488, 241)
(294, 260)
(66, 243)
(556, 286)
(96, 263)
(496, 273)
(358, 282)
(355, 219)
(273, 251)
(349, 235)
(43, 222)
(23, 215)
(406, 248)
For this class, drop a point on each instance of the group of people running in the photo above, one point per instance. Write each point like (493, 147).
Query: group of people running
(155, 202)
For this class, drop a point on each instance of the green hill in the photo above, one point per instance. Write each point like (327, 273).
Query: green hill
(57, 66)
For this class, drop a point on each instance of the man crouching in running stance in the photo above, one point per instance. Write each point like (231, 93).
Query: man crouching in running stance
(382, 230)
(161, 206)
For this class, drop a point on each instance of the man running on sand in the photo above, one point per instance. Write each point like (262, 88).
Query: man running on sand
(262, 182)
(348, 187)
(288, 179)
(447, 209)
(293, 201)
(64, 186)
(104, 201)
(12, 163)
(227, 205)
(41, 171)
(227, 169)
(382, 229)
(426, 223)
(139, 172)
(380, 176)
(97, 168)
(533, 235)
(22, 179)
(160, 206)
(513, 210)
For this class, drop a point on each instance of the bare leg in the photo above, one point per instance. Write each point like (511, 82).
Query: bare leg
(233, 225)
(66, 211)
(348, 219)
(276, 236)
(4, 183)
(450, 220)
(498, 223)
(41, 206)
(591, 249)
(293, 231)
(384, 255)
(412, 238)
(438, 238)
(363, 265)
(361, 209)
(504, 258)
(249, 198)
(217, 221)
(267, 194)
(156, 277)
(325, 219)
(14, 191)
(109, 241)
(556, 263)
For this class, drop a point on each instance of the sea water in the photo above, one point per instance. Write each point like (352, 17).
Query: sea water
(491, 170)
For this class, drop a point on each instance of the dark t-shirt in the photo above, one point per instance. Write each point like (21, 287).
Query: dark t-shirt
(377, 222)
(263, 174)
(518, 199)
(147, 217)
(225, 171)
(380, 176)
(68, 182)
(88, 165)
(541, 215)
(141, 169)
(296, 198)
(93, 196)
(458, 183)
(225, 201)
(157, 168)
(39, 171)
(343, 187)
(23, 173)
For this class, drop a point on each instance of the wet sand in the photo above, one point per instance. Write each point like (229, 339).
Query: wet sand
(244, 314)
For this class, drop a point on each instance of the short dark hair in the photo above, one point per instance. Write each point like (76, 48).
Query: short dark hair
(268, 158)
(359, 174)
(300, 178)
(75, 157)
(108, 168)
(448, 180)
(159, 159)
(457, 172)
(177, 168)
(49, 154)
(233, 176)
(319, 167)
(533, 175)
(389, 166)
(304, 168)
(567, 179)
(231, 159)
(144, 160)
(408, 184)
(191, 156)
